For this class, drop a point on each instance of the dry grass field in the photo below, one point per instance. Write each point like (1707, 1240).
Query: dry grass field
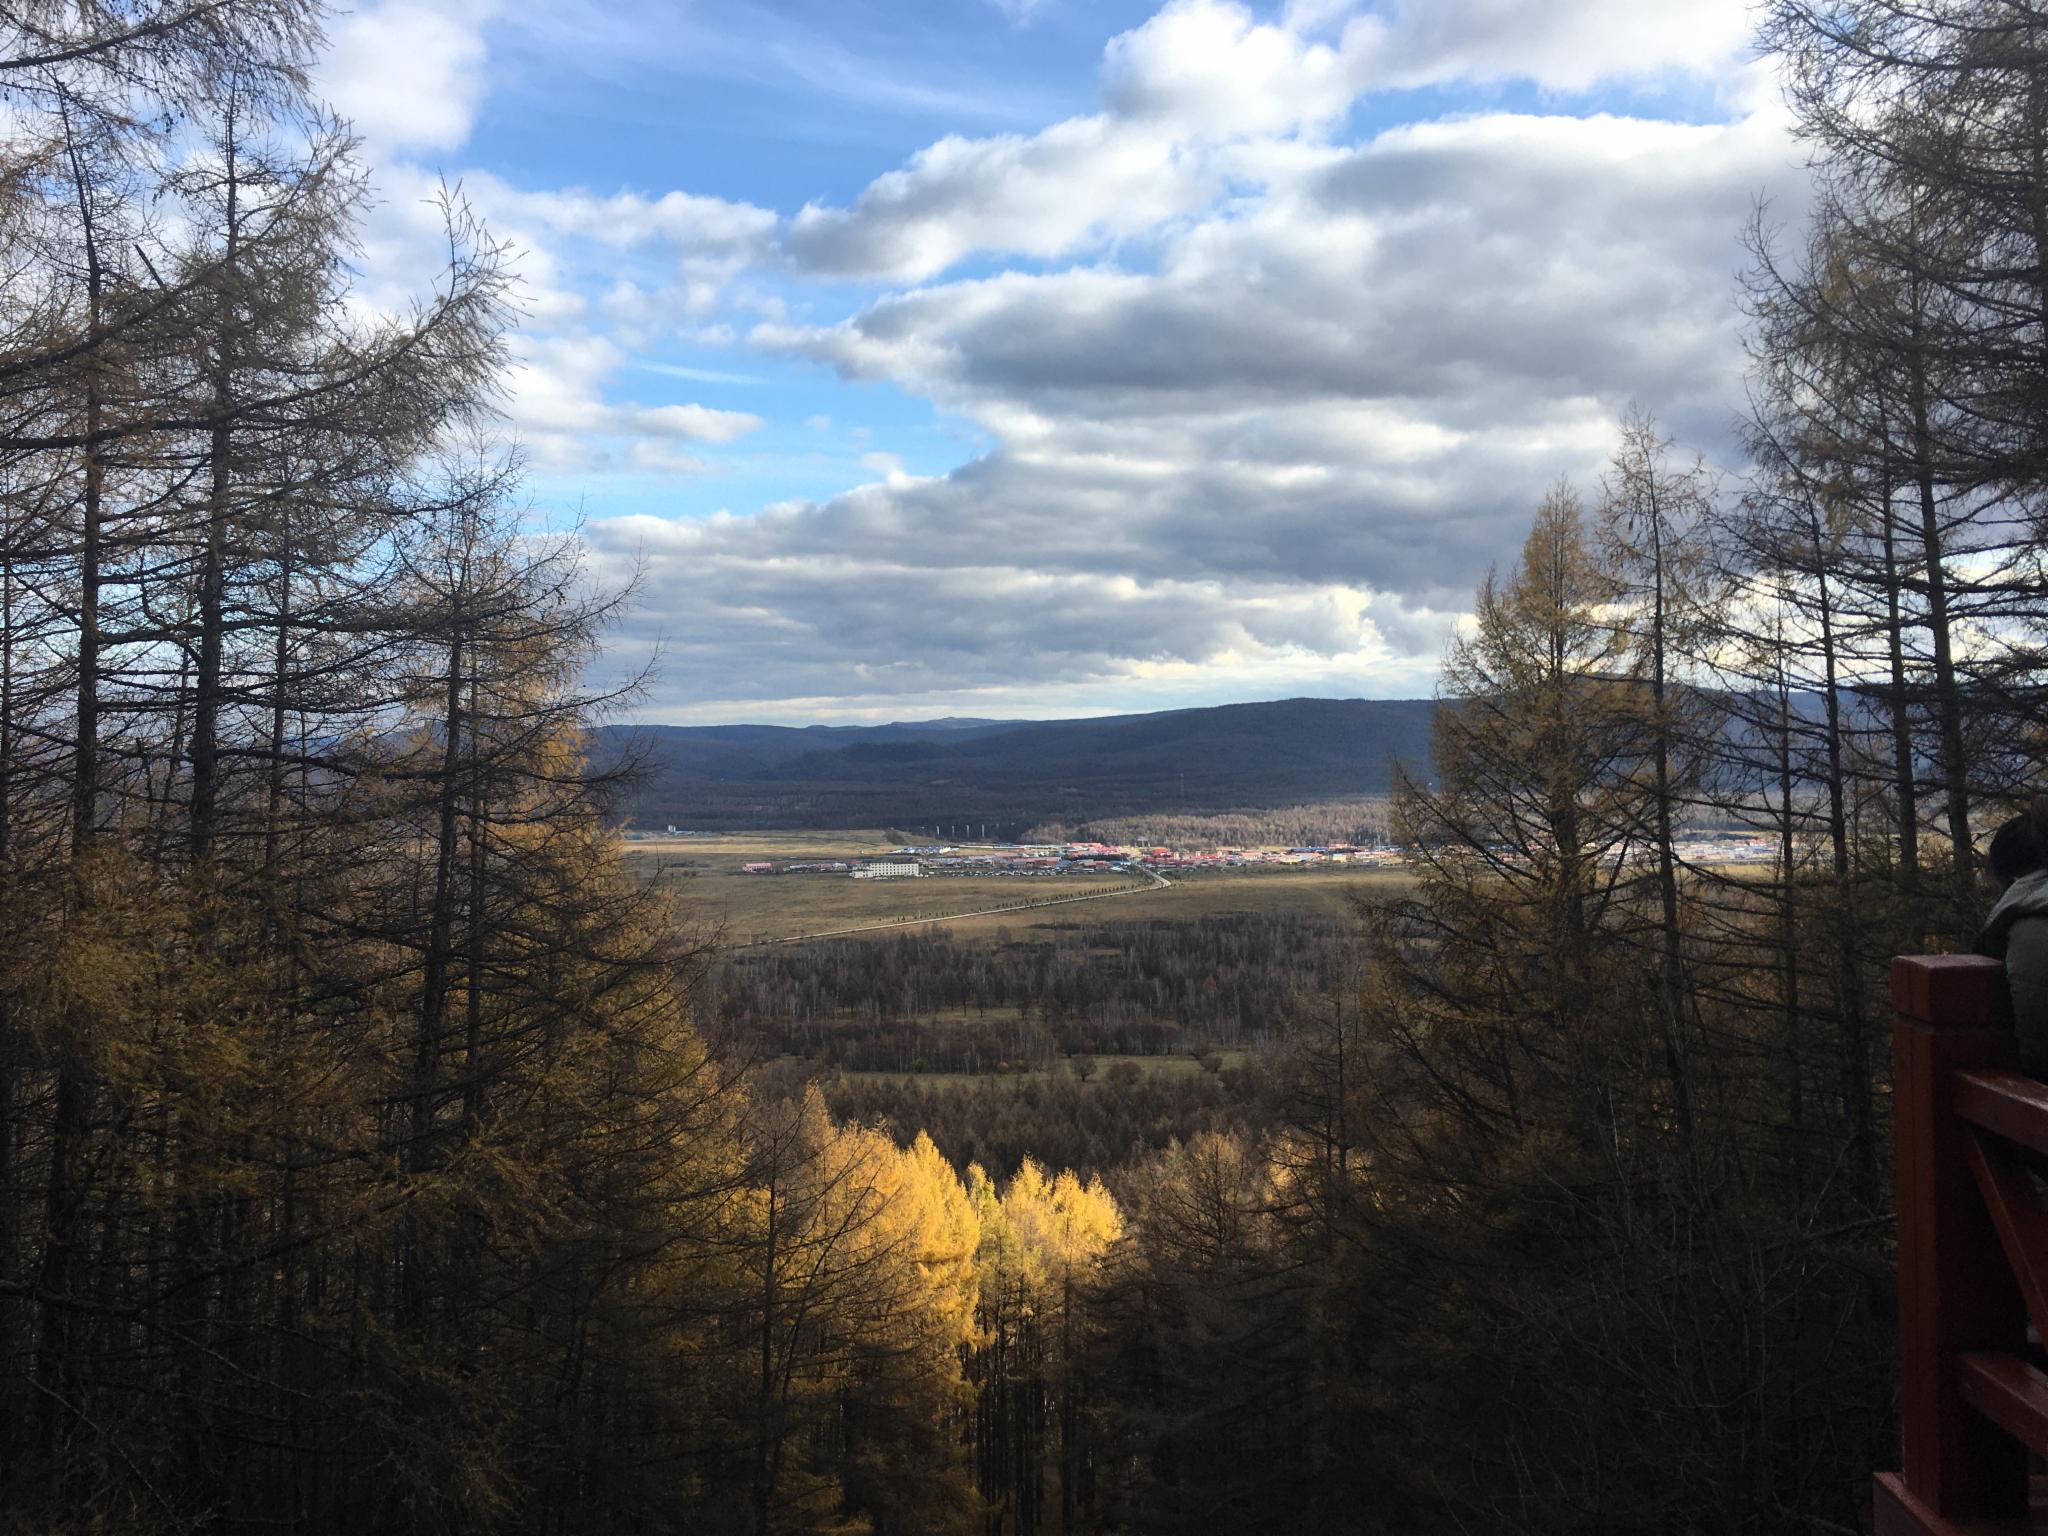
(711, 891)
(736, 848)
(1212, 893)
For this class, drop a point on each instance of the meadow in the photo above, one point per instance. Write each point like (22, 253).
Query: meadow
(712, 894)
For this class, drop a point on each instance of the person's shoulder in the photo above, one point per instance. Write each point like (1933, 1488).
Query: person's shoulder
(2026, 941)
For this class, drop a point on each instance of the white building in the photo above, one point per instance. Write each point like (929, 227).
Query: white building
(888, 869)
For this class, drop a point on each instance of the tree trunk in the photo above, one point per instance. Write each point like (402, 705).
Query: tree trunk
(212, 578)
(1947, 694)
(1905, 771)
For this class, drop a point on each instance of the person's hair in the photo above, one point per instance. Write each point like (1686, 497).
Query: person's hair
(2021, 846)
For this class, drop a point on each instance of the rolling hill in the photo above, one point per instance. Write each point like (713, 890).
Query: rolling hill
(1008, 774)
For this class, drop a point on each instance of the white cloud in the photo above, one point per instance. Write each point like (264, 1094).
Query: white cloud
(556, 401)
(1264, 403)
(408, 75)
(1564, 46)
(1204, 93)
(663, 459)
(693, 423)
(1086, 179)
(867, 629)
(1200, 75)
(1288, 450)
(697, 375)
(1312, 16)
(701, 230)
(1208, 69)
(1438, 261)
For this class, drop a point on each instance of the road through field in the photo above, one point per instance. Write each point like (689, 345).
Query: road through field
(1158, 880)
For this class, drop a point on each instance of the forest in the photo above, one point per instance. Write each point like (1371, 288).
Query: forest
(924, 1001)
(376, 1155)
(1010, 776)
(1362, 822)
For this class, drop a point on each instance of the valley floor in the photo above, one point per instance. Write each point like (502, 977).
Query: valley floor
(715, 895)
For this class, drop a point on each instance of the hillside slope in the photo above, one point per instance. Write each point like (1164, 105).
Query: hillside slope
(1009, 774)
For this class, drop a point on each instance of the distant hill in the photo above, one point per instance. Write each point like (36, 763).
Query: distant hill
(1009, 774)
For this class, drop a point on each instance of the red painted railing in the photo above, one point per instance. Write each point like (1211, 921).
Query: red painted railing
(1973, 1256)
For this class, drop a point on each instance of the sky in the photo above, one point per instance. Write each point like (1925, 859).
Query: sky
(1045, 358)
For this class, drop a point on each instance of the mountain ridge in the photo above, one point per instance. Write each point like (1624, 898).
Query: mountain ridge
(1009, 774)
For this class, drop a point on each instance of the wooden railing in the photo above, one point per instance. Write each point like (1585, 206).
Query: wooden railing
(1973, 1256)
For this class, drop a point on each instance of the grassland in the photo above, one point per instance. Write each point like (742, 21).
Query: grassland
(712, 892)
(1211, 893)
